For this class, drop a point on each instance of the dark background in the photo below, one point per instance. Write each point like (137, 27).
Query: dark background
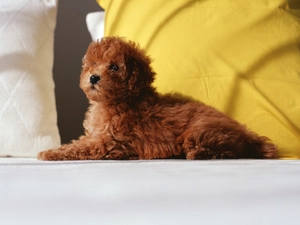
(71, 41)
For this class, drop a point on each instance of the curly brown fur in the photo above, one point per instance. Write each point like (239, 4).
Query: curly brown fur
(129, 119)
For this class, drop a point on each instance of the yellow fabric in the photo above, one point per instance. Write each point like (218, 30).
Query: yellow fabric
(242, 57)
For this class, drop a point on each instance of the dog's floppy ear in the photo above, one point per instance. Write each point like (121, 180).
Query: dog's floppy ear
(140, 72)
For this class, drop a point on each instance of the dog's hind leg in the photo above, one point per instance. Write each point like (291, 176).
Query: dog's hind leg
(227, 143)
(199, 147)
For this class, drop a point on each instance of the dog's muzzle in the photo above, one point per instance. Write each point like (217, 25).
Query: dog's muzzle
(94, 79)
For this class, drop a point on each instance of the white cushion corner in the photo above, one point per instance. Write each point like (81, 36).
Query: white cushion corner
(95, 24)
(28, 117)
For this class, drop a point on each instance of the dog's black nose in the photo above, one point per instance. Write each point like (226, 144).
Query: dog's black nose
(94, 79)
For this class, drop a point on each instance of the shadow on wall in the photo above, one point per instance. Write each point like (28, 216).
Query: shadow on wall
(294, 4)
(71, 41)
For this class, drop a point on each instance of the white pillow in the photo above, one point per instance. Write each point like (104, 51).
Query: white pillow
(28, 120)
(95, 24)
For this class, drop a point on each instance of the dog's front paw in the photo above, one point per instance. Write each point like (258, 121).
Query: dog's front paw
(49, 155)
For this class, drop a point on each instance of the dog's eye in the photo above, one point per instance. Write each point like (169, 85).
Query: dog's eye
(114, 67)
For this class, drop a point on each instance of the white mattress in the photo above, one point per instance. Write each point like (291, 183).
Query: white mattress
(149, 192)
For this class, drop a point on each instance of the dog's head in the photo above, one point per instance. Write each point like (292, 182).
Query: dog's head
(114, 69)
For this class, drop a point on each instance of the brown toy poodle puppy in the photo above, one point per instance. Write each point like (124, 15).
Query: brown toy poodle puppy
(129, 119)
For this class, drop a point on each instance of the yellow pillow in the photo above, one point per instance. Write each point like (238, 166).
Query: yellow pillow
(241, 57)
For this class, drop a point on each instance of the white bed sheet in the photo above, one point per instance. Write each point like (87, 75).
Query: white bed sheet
(149, 192)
